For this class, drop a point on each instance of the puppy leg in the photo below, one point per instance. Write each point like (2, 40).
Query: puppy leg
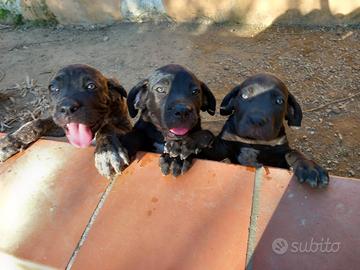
(180, 166)
(186, 164)
(110, 155)
(25, 135)
(165, 163)
(173, 148)
(175, 165)
(307, 170)
(193, 144)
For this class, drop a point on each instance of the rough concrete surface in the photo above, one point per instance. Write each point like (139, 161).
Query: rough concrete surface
(320, 66)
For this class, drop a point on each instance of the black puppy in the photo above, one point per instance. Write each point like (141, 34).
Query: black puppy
(254, 134)
(170, 100)
(85, 105)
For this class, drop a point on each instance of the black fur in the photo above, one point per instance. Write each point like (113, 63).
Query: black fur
(254, 133)
(170, 100)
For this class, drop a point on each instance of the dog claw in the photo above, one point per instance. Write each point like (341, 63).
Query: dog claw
(309, 172)
(175, 166)
(110, 157)
(164, 163)
(181, 149)
(124, 156)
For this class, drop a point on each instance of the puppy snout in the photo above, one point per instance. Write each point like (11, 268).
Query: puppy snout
(69, 107)
(258, 120)
(182, 111)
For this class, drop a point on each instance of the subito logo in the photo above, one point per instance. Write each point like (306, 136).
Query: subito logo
(280, 246)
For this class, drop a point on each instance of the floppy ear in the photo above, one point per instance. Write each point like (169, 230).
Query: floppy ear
(227, 107)
(114, 85)
(294, 113)
(209, 101)
(136, 98)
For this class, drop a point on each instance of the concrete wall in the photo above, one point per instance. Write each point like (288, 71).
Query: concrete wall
(254, 12)
(12, 5)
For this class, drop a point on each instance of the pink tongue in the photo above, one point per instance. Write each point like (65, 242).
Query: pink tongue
(179, 131)
(79, 135)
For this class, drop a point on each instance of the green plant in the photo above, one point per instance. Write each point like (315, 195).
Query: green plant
(7, 17)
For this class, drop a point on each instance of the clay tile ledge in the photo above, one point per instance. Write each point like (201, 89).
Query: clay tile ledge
(56, 210)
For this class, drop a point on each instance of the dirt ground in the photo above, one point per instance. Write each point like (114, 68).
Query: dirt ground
(320, 66)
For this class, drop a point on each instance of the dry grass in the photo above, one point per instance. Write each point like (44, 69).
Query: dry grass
(23, 102)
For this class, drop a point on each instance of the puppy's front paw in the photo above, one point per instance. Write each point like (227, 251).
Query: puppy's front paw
(309, 172)
(175, 166)
(110, 157)
(182, 148)
(173, 148)
(8, 148)
(188, 148)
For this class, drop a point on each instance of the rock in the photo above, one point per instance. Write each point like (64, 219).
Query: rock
(106, 38)
(60, 27)
(335, 110)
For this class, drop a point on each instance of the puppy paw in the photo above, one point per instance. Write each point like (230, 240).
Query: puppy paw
(186, 165)
(188, 148)
(309, 172)
(110, 157)
(165, 163)
(182, 148)
(8, 148)
(176, 166)
(173, 148)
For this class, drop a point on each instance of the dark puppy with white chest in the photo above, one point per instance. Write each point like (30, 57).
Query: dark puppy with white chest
(84, 105)
(254, 134)
(170, 100)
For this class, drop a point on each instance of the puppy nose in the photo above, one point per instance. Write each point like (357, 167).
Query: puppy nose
(182, 111)
(69, 107)
(258, 120)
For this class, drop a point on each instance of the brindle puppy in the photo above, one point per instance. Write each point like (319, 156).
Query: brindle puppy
(254, 134)
(85, 105)
(170, 100)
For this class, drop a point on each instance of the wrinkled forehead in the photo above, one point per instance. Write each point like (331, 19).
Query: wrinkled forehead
(256, 88)
(177, 78)
(159, 76)
(78, 74)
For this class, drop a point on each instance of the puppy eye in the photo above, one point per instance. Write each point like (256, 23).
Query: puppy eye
(195, 91)
(91, 86)
(244, 96)
(279, 101)
(53, 88)
(160, 89)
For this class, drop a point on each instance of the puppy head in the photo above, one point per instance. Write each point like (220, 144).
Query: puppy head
(81, 96)
(171, 98)
(259, 105)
